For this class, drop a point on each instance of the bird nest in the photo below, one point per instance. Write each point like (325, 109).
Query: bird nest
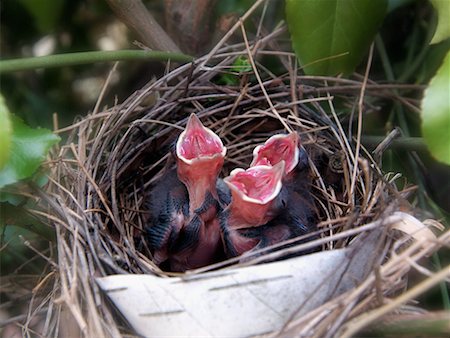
(101, 177)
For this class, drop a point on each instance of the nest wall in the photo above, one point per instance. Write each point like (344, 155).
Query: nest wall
(100, 177)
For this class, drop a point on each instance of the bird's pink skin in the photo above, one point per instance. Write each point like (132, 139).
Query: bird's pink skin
(240, 244)
(200, 156)
(280, 147)
(252, 226)
(298, 215)
(253, 192)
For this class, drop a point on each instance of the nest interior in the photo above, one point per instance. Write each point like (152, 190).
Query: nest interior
(100, 177)
(127, 150)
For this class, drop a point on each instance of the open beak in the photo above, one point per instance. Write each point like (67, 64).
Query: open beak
(280, 147)
(198, 143)
(200, 155)
(253, 192)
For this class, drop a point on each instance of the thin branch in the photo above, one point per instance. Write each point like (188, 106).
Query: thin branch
(263, 89)
(360, 322)
(360, 119)
(422, 325)
(135, 15)
(404, 143)
(70, 59)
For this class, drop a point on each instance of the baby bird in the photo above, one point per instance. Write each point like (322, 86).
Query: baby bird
(298, 215)
(281, 147)
(253, 203)
(184, 228)
(168, 203)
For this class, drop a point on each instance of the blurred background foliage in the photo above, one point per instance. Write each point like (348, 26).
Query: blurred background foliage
(403, 54)
(64, 26)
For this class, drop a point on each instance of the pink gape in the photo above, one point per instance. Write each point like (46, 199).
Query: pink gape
(254, 203)
(185, 230)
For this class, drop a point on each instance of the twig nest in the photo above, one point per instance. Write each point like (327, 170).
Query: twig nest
(101, 180)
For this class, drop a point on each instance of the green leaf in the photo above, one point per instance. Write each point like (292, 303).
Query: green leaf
(16, 194)
(15, 253)
(331, 36)
(5, 133)
(45, 13)
(394, 4)
(436, 113)
(28, 149)
(443, 27)
(432, 61)
(240, 66)
(22, 218)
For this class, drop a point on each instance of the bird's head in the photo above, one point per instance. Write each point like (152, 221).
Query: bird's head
(200, 155)
(280, 147)
(253, 193)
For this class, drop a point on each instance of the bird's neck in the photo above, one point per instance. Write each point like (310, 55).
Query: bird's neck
(246, 215)
(199, 190)
(200, 179)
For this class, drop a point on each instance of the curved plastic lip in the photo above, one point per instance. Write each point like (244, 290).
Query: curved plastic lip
(277, 171)
(291, 138)
(195, 123)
